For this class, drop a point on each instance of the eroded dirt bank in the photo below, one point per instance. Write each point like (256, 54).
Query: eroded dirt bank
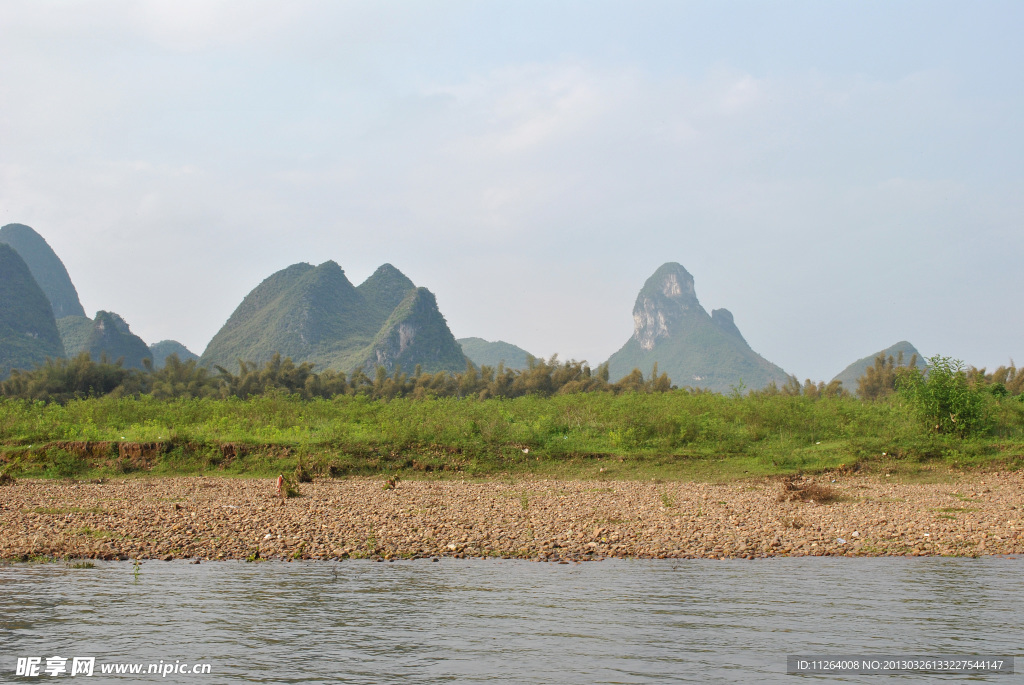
(220, 518)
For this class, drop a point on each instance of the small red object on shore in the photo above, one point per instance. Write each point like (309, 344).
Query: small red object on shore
(280, 485)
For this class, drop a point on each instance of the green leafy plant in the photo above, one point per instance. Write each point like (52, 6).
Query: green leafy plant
(64, 464)
(289, 488)
(302, 474)
(944, 397)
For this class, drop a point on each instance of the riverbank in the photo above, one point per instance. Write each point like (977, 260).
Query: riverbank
(673, 436)
(225, 518)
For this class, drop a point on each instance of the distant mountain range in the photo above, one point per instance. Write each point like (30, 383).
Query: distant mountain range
(697, 349)
(107, 335)
(854, 371)
(314, 314)
(165, 348)
(484, 353)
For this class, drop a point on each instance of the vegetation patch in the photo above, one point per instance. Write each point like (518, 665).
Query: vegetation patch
(289, 488)
(641, 432)
(81, 563)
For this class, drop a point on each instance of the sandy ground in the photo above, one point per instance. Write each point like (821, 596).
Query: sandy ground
(220, 518)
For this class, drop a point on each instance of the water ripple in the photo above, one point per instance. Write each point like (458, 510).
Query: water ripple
(473, 621)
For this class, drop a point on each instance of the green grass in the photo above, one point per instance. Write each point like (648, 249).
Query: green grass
(601, 436)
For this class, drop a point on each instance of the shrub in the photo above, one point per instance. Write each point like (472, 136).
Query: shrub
(64, 464)
(944, 397)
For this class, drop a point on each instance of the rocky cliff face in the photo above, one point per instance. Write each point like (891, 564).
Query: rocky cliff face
(671, 327)
(667, 298)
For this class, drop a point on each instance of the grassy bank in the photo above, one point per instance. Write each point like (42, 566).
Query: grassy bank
(672, 435)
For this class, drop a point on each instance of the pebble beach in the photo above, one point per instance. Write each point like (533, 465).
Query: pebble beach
(209, 518)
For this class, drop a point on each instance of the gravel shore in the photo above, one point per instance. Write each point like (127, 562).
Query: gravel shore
(222, 518)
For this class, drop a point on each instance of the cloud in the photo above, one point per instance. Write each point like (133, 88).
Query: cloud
(176, 154)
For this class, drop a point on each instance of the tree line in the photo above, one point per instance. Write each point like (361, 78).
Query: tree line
(62, 380)
(887, 375)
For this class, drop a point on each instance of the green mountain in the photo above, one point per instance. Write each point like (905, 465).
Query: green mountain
(108, 334)
(46, 268)
(111, 336)
(854, 371)
(486, 353)
(28, 331)
(384, 290)
(165, 348)
(416, 334)
(697, 349)
(75, 332)
(314, 314)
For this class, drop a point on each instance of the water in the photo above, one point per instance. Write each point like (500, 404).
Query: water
(475, 621)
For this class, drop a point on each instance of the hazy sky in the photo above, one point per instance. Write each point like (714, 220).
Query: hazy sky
(840, 176)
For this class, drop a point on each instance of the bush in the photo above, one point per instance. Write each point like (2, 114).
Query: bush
(944, 397)
(64, 464)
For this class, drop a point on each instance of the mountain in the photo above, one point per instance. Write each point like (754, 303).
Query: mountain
(854, 371)
(694, 348)
(28, 331)
(416, 334)
(111, 336)
(384, 290)
(314, 314)
(74, 333)
(108, 334)
(485, 353)
(46, 268)
(165, 348)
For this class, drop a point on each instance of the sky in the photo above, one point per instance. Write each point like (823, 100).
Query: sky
(840, 175)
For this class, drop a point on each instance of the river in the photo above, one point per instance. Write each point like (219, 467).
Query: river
(476, 621)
